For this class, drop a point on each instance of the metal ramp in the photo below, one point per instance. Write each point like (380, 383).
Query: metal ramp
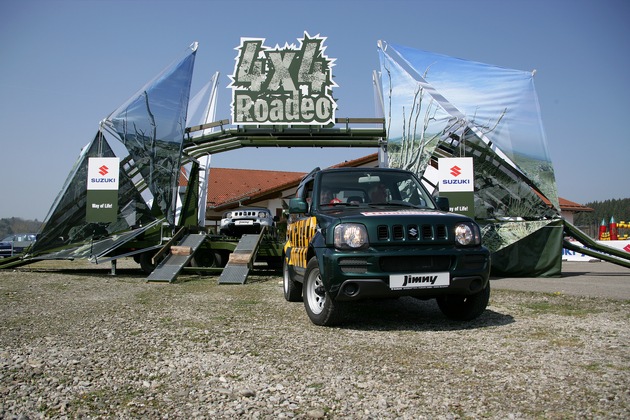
(241, 260)
(172, 265)
(593, 248)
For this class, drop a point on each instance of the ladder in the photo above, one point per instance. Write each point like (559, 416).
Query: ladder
(178, 257)
(241, 260)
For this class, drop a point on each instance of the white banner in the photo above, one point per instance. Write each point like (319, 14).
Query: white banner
(456, 174)
(103, 173)
(569, 255)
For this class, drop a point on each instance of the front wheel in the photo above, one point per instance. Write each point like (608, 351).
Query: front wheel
(464, 308)
(320, 307)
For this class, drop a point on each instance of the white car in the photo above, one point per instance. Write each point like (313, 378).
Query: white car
(16, 243)
(246, 220)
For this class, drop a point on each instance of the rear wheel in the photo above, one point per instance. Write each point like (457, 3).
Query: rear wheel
(205, 258)
(146, 262)
(292, 288)
(464, 308)
(320, 307)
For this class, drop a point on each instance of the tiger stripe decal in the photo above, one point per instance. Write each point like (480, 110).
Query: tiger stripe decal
(299, 235)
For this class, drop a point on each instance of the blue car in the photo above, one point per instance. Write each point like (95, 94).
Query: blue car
(16, 243)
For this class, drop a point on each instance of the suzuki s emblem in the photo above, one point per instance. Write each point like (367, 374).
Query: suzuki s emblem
(456, 171)
(103, 170)
(413, 232)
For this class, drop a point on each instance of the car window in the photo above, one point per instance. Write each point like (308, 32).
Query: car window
(372, 187)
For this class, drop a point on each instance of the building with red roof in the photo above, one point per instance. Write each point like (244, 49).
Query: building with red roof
(229, 188)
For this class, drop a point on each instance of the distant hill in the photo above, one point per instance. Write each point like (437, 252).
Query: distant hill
(604, 210)
(9, 226)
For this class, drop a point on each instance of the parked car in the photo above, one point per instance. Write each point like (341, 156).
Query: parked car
(246, 220)
(16, 243)
(370, 233)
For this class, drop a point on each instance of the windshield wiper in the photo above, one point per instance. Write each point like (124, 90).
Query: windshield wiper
(397, 203)
(341, 203)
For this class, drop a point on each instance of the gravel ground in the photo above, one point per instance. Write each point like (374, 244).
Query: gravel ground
(82, 343)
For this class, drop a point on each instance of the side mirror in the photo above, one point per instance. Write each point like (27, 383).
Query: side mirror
(442, 203)
(297, 205)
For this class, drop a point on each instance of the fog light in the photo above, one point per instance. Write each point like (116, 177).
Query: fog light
(350, 289)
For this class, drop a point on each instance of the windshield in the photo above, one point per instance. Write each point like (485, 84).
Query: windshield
(372, 187)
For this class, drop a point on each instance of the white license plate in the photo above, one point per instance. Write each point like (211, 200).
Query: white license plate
(419, 281)
(244, 222)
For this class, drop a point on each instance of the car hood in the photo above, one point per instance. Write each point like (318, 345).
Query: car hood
(377, 214)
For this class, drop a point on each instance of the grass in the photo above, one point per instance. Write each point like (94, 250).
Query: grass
(562, 305)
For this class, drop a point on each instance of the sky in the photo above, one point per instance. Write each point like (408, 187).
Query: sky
(67, 64)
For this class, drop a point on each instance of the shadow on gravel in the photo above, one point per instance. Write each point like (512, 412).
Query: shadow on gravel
(409, 314)
(91, 272)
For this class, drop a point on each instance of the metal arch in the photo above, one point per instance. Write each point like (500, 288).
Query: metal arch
(346, 132)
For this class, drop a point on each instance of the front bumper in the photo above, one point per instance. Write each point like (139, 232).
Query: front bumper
(253, 227)
(355, 275)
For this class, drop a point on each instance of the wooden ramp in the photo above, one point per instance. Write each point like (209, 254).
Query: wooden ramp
(241, 260)
(178, 257)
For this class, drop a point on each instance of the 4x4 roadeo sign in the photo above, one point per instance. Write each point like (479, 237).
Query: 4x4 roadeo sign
(287, 85)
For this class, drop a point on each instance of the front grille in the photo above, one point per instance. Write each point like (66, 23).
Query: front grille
(427, 232)
(412, 232)
(241, 213)
(416, 263)
(353, 265)
(382, 233)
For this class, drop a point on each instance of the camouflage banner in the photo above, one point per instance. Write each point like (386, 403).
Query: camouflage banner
(287, 85)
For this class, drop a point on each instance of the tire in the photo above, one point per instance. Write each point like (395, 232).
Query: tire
(464, 308)
(205, 258)
(209, 259)
(320, 307)
(221, 258)
(146, 262)
(292, 288)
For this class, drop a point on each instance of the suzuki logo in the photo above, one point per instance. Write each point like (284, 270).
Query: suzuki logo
(103, 170)
(456, 171)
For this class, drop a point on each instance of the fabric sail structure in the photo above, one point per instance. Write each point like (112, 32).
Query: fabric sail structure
(202, 110)
(438, 106)
(151, 125)
(65, 232)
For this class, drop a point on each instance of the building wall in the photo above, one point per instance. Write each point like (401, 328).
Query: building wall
(568, 216)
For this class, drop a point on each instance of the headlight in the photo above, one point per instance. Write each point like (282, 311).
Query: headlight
(351, 236)
(227, 216)
(467, 234)
(262, 215)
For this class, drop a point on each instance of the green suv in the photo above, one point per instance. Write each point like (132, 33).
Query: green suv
(366, 233)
